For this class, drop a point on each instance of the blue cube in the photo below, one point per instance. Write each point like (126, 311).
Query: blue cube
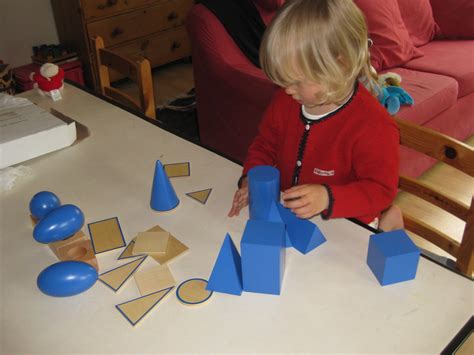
(263, 256)
(393, 257)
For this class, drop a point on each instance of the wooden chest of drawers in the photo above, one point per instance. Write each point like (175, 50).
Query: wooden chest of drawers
(150, 28)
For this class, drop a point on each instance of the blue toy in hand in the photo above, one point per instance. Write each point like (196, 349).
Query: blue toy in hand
(391, 95)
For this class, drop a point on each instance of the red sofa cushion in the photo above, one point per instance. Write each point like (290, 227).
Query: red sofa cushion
(454, 17)
(432, 94)
(451, 58)
(419, 21)
(392, 44)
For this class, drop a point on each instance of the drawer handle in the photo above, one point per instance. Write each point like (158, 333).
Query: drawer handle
(117, 31)
(172, 16)
(109, 3)
(175, 45)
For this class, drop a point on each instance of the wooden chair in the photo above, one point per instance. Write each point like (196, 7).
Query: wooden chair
(457, 155)
(139, 71)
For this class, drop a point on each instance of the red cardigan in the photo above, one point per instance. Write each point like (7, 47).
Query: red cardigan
(352, 151)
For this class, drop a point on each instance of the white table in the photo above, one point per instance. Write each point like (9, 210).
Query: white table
(330, 300)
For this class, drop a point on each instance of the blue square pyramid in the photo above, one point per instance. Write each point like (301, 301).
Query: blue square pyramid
(226, 276)
(304, 235)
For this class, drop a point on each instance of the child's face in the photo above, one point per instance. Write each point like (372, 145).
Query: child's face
(305, 92)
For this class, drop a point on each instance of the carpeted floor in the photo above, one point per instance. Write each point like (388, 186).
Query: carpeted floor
(180, 116)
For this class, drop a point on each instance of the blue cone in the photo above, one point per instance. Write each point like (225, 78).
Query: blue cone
(163, 196)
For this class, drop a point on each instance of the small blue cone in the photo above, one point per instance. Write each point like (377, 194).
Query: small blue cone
(163, 196)
(226, 276)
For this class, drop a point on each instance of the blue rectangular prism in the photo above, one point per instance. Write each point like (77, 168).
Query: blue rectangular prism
(392, 257)
(263, 256)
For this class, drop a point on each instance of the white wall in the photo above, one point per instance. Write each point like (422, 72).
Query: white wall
(24, 24)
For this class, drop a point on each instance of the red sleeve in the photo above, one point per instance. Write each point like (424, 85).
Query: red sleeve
(264, 147)
(376, 166)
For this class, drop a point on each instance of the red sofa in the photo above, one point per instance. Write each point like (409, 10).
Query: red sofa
(429, 43)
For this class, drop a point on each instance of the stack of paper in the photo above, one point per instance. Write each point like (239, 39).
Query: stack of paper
(28, 131)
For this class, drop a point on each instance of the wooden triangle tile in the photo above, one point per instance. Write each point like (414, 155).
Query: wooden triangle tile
(115, 278)
(200, 196)
(134, 310)
(128, 251)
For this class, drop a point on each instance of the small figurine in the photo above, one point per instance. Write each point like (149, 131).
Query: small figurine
(49, 79)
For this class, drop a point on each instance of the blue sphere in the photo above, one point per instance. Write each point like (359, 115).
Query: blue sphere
(42, 203)
(59, 224)
(66, 278)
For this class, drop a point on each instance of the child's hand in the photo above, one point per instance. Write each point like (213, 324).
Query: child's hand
(241, 199)
(306, 200)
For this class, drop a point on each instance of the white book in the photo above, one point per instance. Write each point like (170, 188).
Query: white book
(28, 131)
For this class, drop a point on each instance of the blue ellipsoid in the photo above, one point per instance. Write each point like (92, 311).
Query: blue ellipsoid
(42, 203)
(66, 278)
(59, 224)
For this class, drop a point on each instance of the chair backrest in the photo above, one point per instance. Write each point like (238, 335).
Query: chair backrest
(457, 155)
(139, 71)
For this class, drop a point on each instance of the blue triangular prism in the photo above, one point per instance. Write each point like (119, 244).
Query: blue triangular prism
(226, 276)
(317, 238)
(274, 215)
(304, 235)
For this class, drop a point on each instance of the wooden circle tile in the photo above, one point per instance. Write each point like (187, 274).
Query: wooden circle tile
(193, 292)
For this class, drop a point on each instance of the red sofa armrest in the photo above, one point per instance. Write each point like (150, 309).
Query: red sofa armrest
(454, 17)
(231, 92)
(257, 87)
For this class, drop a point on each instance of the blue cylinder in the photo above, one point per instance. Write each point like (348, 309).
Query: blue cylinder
(163, 196)
(66, 278)
(264, 188)
(59, 224)
(42, 203)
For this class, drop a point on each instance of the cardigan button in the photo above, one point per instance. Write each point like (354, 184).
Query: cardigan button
(307, 127)
(298, 163)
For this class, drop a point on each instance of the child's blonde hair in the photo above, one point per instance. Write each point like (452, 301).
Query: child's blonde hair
(324, 41)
